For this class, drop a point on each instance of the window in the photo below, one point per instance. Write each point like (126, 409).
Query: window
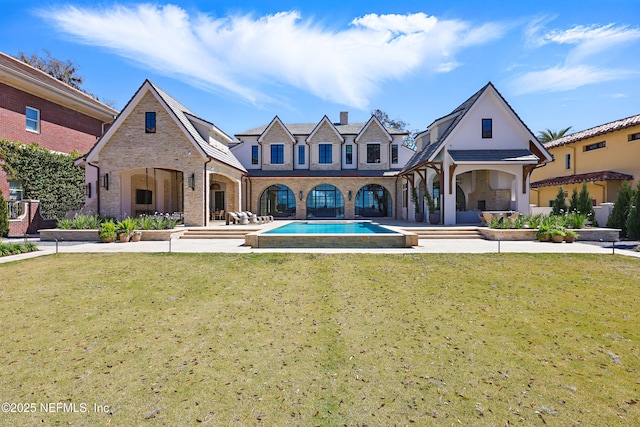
(325, 201)
(254, 154)
(567, 161)
(15, 190)
(595, 146)
(373, 200)
(634, 137)
(373, 153)
(301, 154)
(349, 154)
(325, 153)
(150, 122)
(487, 128)
(394, 154)
(33, 120)
(143, 197)
(278, 200)
(277, 154)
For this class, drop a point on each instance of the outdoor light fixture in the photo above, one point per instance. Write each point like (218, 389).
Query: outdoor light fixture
(192, 181)
(87, 190)
(350, 195)
(105, 181)
(300, 195)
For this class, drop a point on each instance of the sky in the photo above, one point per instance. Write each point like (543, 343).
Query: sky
(239, 64)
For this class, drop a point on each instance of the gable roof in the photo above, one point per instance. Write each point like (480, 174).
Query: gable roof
(374, 119)
(595, 131)
(325, 120)
(183, 116)
(276, 120)
(26, 78)
(430, 150)
(303, 129)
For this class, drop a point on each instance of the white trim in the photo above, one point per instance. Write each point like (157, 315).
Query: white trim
(366, 126)
(275, 120)
(325, 119)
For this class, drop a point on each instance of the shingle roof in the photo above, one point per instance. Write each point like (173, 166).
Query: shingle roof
(493, 156)
(307, 128)
(35, 76)
(219, 151)
(427, 151)
(584, 177)
(595, 131)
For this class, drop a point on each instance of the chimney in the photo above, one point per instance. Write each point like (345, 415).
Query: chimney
(344, 117)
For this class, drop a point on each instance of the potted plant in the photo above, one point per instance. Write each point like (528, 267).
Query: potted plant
(414, 199)
(570, 236)
(126, 228)
(543, 234)
(433, 216)
(107, 232)
(557, 235)
(136, 236)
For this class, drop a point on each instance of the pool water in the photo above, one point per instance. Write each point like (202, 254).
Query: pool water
(326, 227)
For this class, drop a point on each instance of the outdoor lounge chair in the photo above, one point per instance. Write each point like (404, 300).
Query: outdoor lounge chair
(237, 218)
(261, 219)
(486, 218)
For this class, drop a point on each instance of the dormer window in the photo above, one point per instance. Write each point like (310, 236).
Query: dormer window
(373, 153)
(150, 122)
(277, 154)
(325, 153)
(487, 128)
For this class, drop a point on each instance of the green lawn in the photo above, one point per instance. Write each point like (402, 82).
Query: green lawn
(309, 339)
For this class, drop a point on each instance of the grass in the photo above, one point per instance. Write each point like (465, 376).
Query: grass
(310, 339)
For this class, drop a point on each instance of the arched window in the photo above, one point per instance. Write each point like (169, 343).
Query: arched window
(325, 201)
(373, 200)
(278, 200)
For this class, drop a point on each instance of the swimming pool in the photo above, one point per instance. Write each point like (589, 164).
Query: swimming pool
(331, 227)
(331, 234)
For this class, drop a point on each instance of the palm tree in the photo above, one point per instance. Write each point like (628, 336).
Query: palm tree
(549, 135)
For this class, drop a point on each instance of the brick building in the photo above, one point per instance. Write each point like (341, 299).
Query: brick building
(37, 108)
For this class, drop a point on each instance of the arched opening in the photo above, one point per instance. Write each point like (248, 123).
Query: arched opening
(373, 200)
(152, 190)
(279, 201)
(325, 201)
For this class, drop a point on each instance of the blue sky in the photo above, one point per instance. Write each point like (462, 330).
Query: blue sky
(238, 64)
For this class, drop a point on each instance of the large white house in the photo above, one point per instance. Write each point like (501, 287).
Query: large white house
(477, 158)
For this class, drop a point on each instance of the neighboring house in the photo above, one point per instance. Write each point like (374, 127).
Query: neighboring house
(38, 108)
(477, 158)
(323, 169)
(604, 157)
(160, 157)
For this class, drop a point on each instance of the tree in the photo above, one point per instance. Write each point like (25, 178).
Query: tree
(633, 219)
(573, 202)
(65, 71)
(549, 135)
(620, 212)
(383, 117)
(585, 204)
(560, 203)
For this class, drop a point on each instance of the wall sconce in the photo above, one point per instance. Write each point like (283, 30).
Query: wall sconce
(350, 195)
(300, 195)
(192, 181)
(105, 181)
(87, 190)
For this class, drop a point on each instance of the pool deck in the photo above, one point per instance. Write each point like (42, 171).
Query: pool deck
(477, 246)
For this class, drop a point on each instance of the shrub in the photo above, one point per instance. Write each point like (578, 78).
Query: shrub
(4, 217)
(49, 177)
(108, 231)
(575, 220)
(65, 224)
(7, 249)
(633, 219)
(560, 203)
(585, 204)
(620, 212)
(145, 222)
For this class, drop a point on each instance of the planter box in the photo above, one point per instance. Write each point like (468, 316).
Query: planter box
(585, 234)
(92, 235)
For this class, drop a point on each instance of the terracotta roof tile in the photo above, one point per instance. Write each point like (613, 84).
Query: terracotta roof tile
(583, 177)
(595, 131)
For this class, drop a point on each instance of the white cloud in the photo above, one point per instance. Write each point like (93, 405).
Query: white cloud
(585, 61)
(247, 56)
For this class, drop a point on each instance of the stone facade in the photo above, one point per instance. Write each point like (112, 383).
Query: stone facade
(306, 184)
